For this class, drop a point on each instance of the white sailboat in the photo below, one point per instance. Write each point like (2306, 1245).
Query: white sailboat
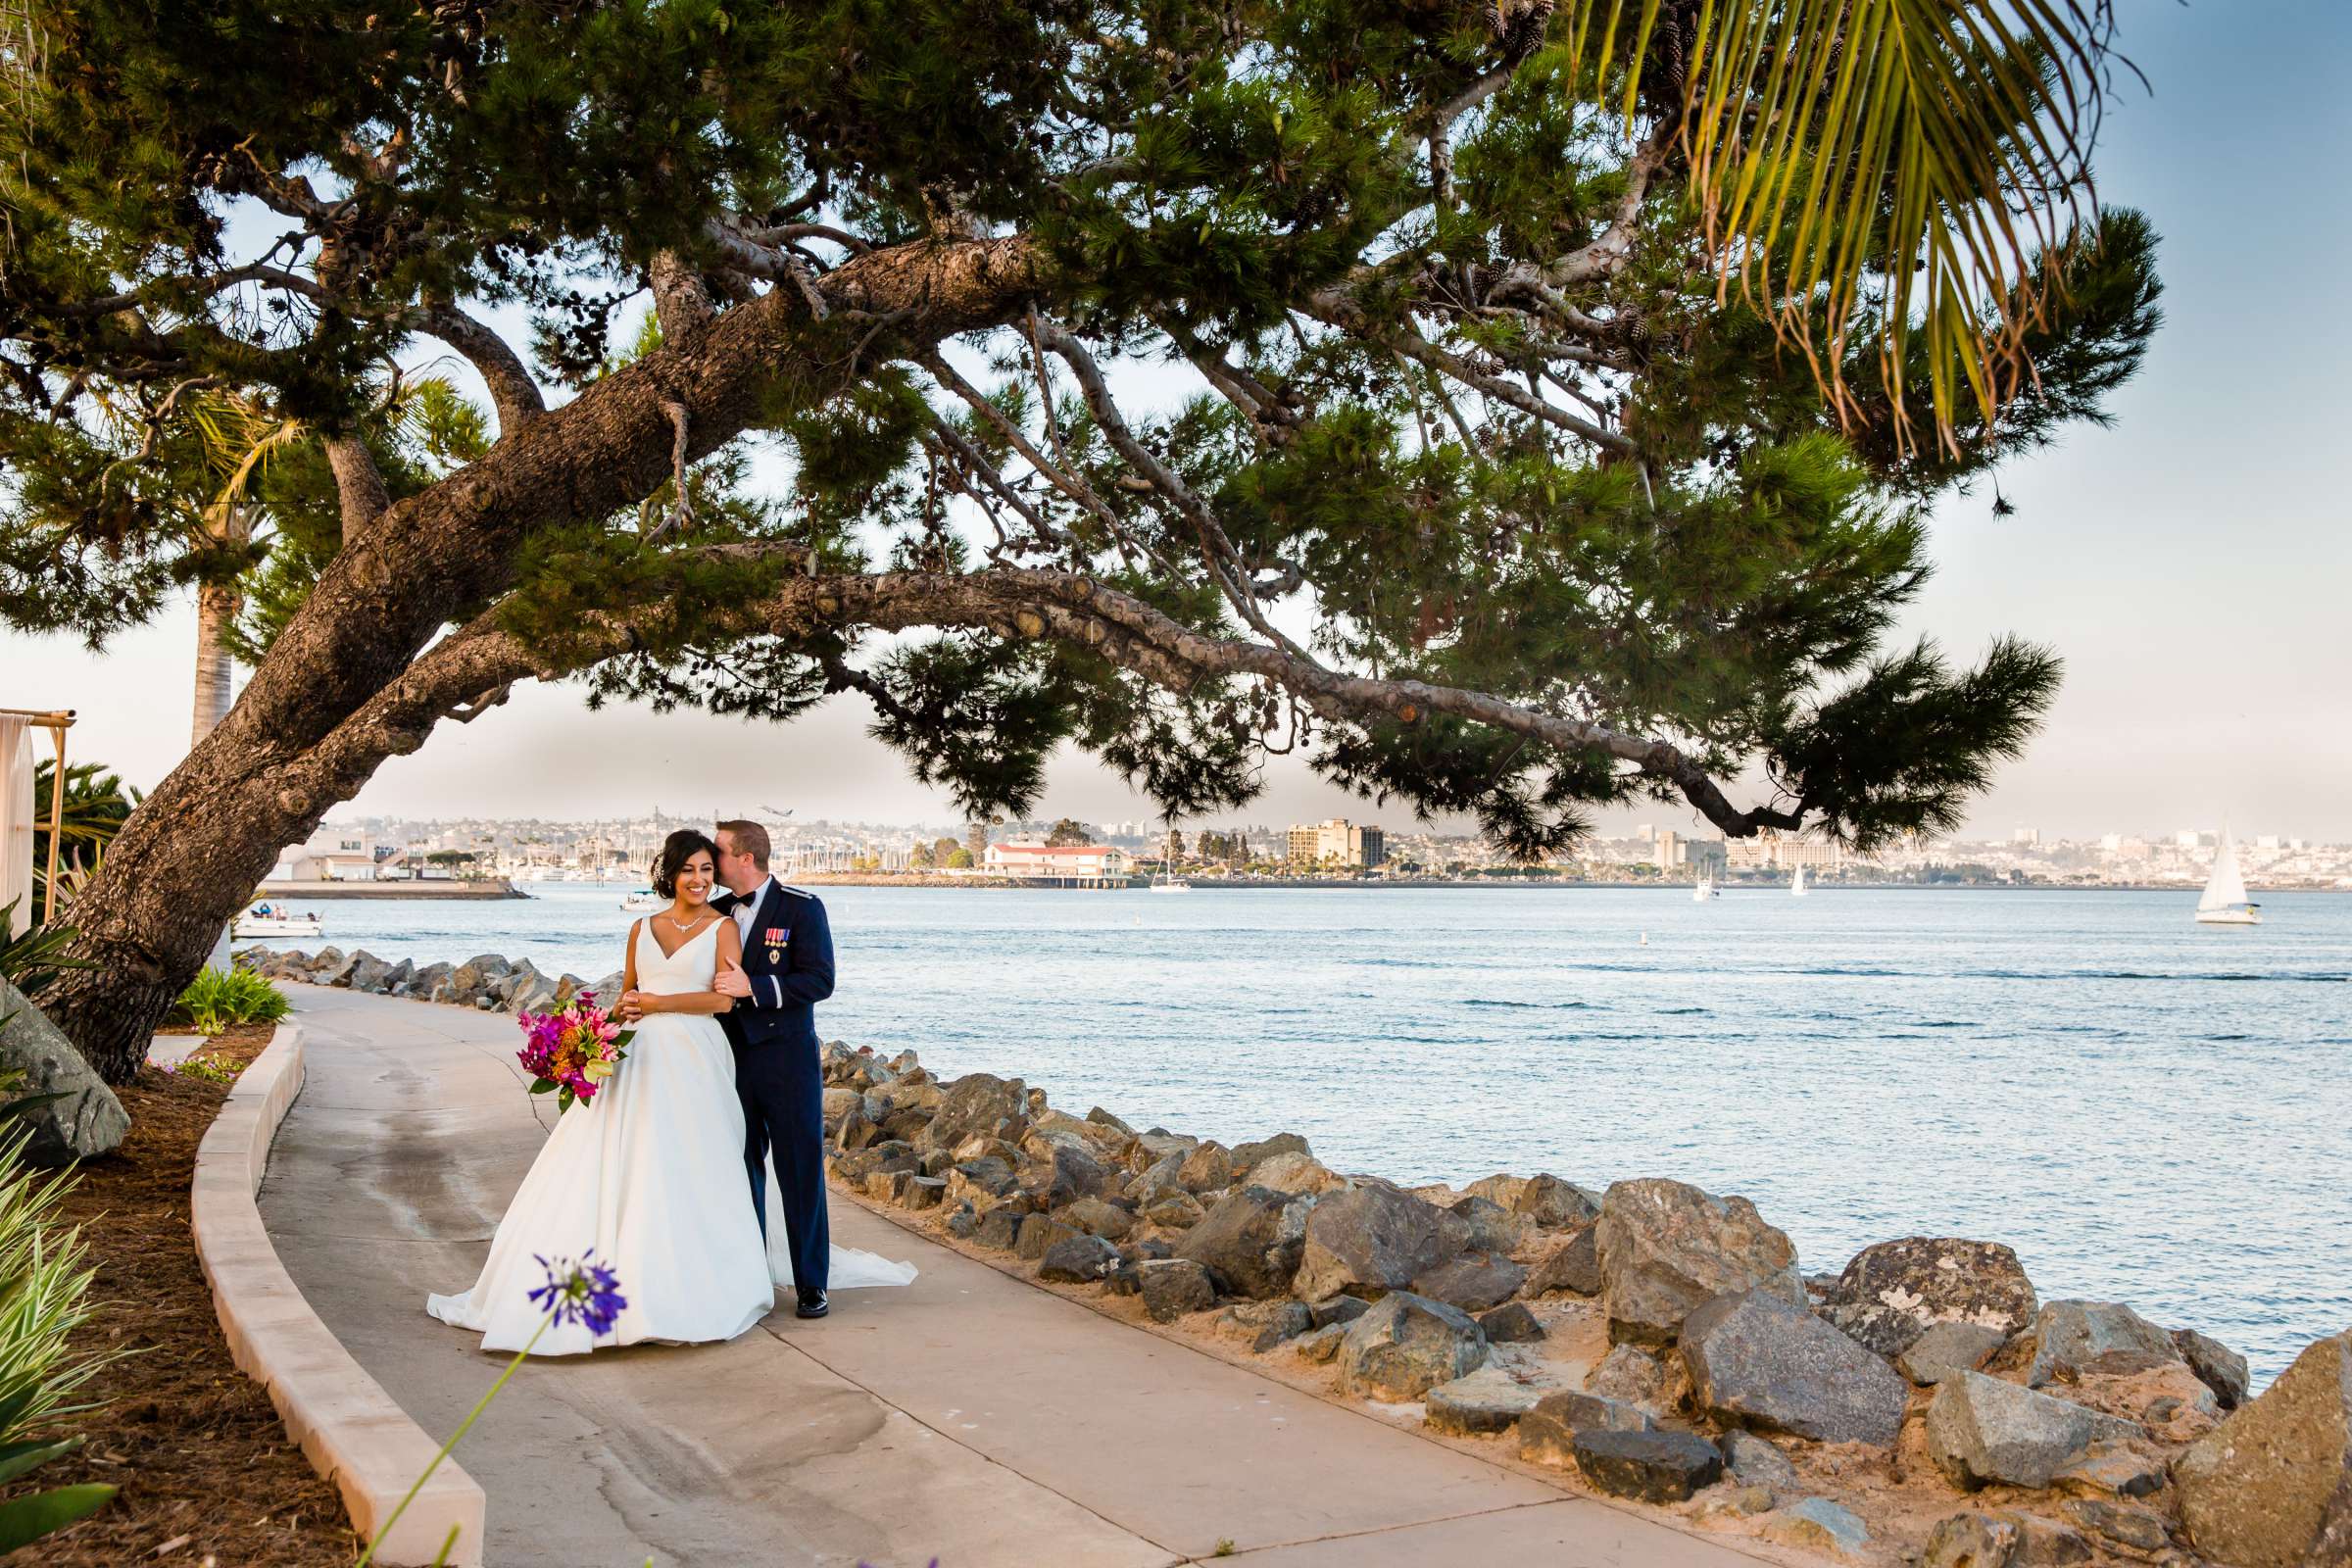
(2224, 900)
(1796, 889)
(1162, 882)
(1705, 889)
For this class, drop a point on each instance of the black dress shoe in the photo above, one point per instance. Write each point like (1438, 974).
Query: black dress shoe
(813, 1304)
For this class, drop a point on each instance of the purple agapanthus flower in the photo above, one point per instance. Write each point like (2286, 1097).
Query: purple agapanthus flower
(587, 1292)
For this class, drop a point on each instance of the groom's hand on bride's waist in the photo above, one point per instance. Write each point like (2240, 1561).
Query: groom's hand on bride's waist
(731, 981)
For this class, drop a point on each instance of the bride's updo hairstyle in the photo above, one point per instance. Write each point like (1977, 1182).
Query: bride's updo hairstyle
(676, 851)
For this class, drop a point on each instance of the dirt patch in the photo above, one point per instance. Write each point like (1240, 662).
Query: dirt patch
(206, 1470)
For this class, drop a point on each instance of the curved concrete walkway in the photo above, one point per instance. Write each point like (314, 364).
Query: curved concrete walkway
(971, 1417)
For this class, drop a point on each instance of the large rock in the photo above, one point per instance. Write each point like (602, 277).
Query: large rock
(2097, 1337)
(1246, 1158)
(1947, 1348)
(1292, 1172)
(2271, 1485)
(1372, 1240)
(1817, 1525)
(1473, 1282)
(1208, 1168)
(1493, 1227)
(1407, 1345)
(1173, 1287)
(1488, 1399)
(2217, 1366)
(1668, 1249)
(1250, 1241)
(1651, 1466)
(1892, 1294)
(85, 1120)
(1511, 1324)
(979, 1106)
(1078, 1259)
(1573, 1267)
(1631, 1374)
(1974, 1540)
(1063, 1175)
(1099, 1218)
(1983, 1430)
(1755, 1462)
(1755, 1360)
(1552, 1201)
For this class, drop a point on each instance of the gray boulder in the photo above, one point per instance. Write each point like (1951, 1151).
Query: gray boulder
(1555, 1203)
(1339, 1309)
(1206, 1168)
(1246, 1158)
(1573, 1267)
(1510, 1324)
(1290, 1173)
(2096, 1337)
(1252, 1241)
(2271, 1485)
(1755, 1360)
(1975, 1540)
(1062, 1175)
(1175, 1211)
(1946, 1349)
(1982, 1429)
(1099, 1218)
(1488, 1399)
(1649, 1466)
(1001, 1229)
(1548, 1432)
(1406, 1345)
(1667, 1249)
(86, 1119)
(1493, 1228)
(1320, 1346)
(1631, 1374)
(1892, 1293)
(1817, 1525)
(1372, 1240)
(1473, 1282)
(979, 1106)
(1078, 1260)
(2217, 1366)
(2111, 1470)
(1175, 1286)
(1752, 1461)
(2140, 1530)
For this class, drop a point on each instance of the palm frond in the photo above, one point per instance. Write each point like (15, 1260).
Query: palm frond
(1888, 166)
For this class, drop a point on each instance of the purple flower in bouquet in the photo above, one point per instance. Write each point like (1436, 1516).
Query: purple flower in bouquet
(586, 1292)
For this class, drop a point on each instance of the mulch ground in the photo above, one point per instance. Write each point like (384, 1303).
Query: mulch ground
(208, 1476)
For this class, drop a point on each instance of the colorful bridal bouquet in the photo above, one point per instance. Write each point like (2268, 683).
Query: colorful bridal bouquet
(570, 1052)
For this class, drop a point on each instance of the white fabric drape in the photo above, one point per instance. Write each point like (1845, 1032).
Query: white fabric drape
(15, 818)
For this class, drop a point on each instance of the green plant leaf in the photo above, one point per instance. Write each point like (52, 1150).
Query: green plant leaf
(17, 1458)
(25, 1520)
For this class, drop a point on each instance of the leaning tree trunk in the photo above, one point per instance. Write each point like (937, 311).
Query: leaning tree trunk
(342, 689)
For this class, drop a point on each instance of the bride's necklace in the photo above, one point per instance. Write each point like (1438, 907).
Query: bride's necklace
(682, 926)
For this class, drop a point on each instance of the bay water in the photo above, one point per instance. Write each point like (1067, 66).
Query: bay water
(2148, 1110)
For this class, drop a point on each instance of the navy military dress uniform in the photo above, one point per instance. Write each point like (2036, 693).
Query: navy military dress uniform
(788, 958)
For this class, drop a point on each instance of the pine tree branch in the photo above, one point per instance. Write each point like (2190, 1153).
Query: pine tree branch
(513, 393)
(359, 484)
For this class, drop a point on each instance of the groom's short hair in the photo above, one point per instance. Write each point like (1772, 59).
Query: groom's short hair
(748, 838)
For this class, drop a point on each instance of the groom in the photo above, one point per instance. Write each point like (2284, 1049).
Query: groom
(787, 968)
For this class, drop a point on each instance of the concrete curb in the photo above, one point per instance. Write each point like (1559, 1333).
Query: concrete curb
(346, 1424)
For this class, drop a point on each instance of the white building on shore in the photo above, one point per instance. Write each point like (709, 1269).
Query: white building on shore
(1082, 864)
(330, 855)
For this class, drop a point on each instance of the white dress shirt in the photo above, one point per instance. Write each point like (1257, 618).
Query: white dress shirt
(747, 909)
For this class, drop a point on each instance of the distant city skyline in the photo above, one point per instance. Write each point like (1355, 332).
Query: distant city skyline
(2190, 564)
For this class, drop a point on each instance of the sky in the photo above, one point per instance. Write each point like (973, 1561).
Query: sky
(2191, 563)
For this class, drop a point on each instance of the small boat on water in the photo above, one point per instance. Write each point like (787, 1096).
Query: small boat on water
(264, 921)
(1169, 884)
(1705, 889)
(2224, 900)
(1796, 889)
(643, 902)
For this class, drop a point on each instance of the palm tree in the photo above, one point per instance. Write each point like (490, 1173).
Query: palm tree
(1940, 146)
(96, 805)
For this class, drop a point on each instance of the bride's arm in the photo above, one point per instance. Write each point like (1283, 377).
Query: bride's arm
(730, 951)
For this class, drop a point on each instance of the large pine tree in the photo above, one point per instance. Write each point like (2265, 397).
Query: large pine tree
(1509, 406)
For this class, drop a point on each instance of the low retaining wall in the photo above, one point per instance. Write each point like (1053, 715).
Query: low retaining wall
(346, 1424)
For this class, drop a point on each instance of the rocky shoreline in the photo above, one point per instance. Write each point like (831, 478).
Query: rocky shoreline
(1651, 1341)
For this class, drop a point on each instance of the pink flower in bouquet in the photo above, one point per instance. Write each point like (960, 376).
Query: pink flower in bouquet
(571, 1053)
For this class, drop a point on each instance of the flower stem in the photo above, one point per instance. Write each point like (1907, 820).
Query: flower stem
(479, 1405)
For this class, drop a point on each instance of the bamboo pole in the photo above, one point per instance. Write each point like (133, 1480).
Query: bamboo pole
(56, 722)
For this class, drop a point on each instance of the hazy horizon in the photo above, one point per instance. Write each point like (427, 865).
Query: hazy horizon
(2189, 563)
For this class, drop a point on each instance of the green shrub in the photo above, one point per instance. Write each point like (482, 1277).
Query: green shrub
(44, 1287)
(220, 998)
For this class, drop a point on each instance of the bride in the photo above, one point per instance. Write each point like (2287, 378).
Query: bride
(649, 1174)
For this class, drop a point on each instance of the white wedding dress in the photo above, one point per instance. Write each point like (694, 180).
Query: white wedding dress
(649, 1176)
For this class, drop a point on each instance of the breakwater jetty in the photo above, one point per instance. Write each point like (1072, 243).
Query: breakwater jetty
(299, 892)
(1918, 1402)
